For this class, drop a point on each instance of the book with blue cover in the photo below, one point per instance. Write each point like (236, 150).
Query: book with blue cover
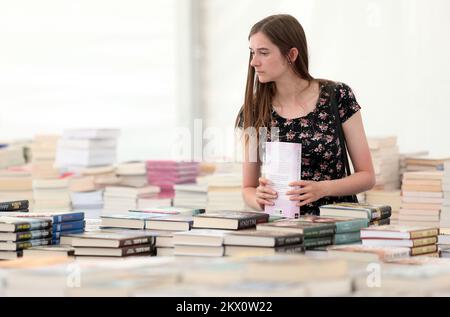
(66, 226)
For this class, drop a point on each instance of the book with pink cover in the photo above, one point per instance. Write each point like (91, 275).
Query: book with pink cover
(283, 166)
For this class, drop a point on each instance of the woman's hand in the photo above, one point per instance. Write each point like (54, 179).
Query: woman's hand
(264, 194)
(308, 192)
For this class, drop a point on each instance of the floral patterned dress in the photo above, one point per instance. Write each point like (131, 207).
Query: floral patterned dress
(321, 149)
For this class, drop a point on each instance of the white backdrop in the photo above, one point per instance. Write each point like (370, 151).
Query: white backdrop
(126, 64)
(394, 54)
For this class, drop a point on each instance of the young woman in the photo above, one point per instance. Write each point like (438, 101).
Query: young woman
(282, 94)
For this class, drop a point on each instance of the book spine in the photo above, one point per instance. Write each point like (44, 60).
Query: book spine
(282, 241)
(318, 242)
(32, 243)
(22, 227)
(246, 223)
(44, 224)
(424, 250)
(130, 242)
(351, 226)
(424, 242)
(68, 217)
(65, 226)
(145, 249)
(14, 205)
(424, 233)
(324, 231)
(32, 235)
(346, 238)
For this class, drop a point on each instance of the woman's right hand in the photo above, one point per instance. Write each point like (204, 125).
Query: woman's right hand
(264, 194)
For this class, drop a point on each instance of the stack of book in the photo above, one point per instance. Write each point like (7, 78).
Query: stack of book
(347, 229)
(163, 199)
(16, 184)
(11, 156)
(132, 174)
(167, 174)
(315, 235)
(93, 178)
(200, 242)
(224, 191)
(422, 199)
(113, 244)
(418, 164)
(262, 243)
(377, 215)
(91, 202)
(87, 147)
(405, 156)
(63, 223)
(419, 240)
(445, 212)
(385, 156)
(14, 206)
(43, 155)
(51, 195)
(392, 198)
(17, 234)
(191, 195)
(118, 199)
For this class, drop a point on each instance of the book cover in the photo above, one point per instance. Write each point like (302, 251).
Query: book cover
(21, 245)
(283, 166)
(25, 235)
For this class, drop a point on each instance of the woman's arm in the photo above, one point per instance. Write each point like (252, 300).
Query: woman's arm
(363, 178)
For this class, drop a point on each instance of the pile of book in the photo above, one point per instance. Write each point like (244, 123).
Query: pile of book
(62, 223)
(11, 156)
(410, 155)
(132, 174)
(262, 243)
(422, 199)
(113, 244)
(418, 164)
(118, 199)
(224, 191)
(210, 229)
(391, 198)
(418, 240)
(16, 184)
(191, 195)
(377, 215)
(17, 234)
(51, 195)
(347, 229)
(315, 235)
(87, 147)
(166, 174)
(43, 155)
(385, 156)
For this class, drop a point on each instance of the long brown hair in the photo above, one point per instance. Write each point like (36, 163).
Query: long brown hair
(286, 33)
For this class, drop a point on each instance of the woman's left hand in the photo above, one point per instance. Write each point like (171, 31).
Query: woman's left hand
(308, 192)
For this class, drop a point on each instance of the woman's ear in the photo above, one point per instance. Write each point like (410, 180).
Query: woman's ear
(292, 55)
